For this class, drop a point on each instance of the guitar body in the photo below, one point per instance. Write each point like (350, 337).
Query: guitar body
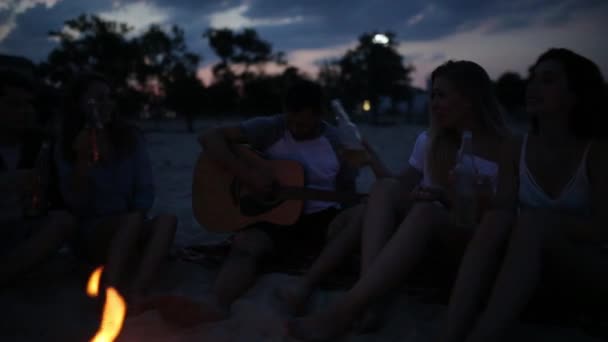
(223, 204)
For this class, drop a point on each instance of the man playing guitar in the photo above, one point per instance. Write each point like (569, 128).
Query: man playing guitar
(301, 135)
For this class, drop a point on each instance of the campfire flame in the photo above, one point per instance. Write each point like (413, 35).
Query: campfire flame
(93, 283)
(114, 309)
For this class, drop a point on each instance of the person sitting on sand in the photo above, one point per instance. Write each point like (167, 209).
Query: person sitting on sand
(31, 239)
(106, 180)
(552, 210)
(300, 134)
(401, 220)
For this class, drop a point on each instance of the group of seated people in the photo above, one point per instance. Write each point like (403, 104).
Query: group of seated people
(543, 223)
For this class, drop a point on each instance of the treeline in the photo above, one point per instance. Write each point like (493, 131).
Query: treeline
(155, 72)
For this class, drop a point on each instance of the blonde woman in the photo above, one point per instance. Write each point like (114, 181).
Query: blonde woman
(395, 238)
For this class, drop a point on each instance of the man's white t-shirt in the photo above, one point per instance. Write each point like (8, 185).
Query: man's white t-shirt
(318, 159)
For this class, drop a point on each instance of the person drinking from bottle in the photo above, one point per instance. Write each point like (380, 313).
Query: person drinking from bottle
(106, 181)
(404, 217)
(32, 223)
(551, 209)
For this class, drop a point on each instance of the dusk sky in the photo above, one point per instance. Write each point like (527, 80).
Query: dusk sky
(500, 35)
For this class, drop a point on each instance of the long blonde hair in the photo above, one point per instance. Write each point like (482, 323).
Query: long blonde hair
(470, 80)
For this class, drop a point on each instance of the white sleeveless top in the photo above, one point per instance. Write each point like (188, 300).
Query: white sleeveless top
(573, 198)
(484, 168)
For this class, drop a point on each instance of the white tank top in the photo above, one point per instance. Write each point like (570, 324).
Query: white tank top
(574, 197)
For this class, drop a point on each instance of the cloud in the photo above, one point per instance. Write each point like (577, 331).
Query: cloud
(414, 20)
(140, 14)
(236, 18)
(515, 49)
(11, 9)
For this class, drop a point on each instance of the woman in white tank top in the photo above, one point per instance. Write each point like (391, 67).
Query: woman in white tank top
(552, 206)
(395, 240)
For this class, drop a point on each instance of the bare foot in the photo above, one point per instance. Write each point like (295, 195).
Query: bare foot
(294, 297)
(324, 326)
(185, 312)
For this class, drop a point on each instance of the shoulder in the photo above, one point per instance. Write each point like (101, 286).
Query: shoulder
(422, 136)
(264, 121)
(422, 140)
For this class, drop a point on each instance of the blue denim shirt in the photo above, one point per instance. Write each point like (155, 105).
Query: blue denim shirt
(115, 187)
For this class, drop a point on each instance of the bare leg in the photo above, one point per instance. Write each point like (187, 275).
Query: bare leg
(54, 232)
(391, 266)
(476, 275)
(518, 277)
(156, 248)
(112, 242)
(380, 219)
(347, 229)
(236, 276)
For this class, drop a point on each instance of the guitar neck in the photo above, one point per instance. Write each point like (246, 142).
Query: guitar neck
(308, 194)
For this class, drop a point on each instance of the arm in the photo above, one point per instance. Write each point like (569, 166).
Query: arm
(143, 197)
(380, 170)
(218, 144)
(409, 179)
(505, 199)
(594, 228)
(73, 180)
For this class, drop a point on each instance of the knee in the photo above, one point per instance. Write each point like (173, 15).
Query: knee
(347, 219)
(133, 218)
(426, 212)
(251, 244)
(532, 224)
(384, 194)
(385, 187)
(494, 230)
(167, 223)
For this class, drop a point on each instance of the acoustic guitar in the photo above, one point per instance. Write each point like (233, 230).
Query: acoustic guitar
(222, 203)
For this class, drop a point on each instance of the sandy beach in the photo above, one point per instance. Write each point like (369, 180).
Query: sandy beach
(50, 304)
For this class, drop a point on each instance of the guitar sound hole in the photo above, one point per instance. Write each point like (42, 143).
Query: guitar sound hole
(254, 205)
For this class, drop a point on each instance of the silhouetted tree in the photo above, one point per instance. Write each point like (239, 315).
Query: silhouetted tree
(242, 70)
(245, 48)
(143, 68)
(369, 71)
(89, 43)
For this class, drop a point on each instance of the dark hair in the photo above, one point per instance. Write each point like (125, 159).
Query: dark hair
(304, 94)
(121, 134)
(17, 79)
(585, 80)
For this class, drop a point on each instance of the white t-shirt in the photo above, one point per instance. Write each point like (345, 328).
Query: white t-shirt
(486, 168)
(318, 159)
